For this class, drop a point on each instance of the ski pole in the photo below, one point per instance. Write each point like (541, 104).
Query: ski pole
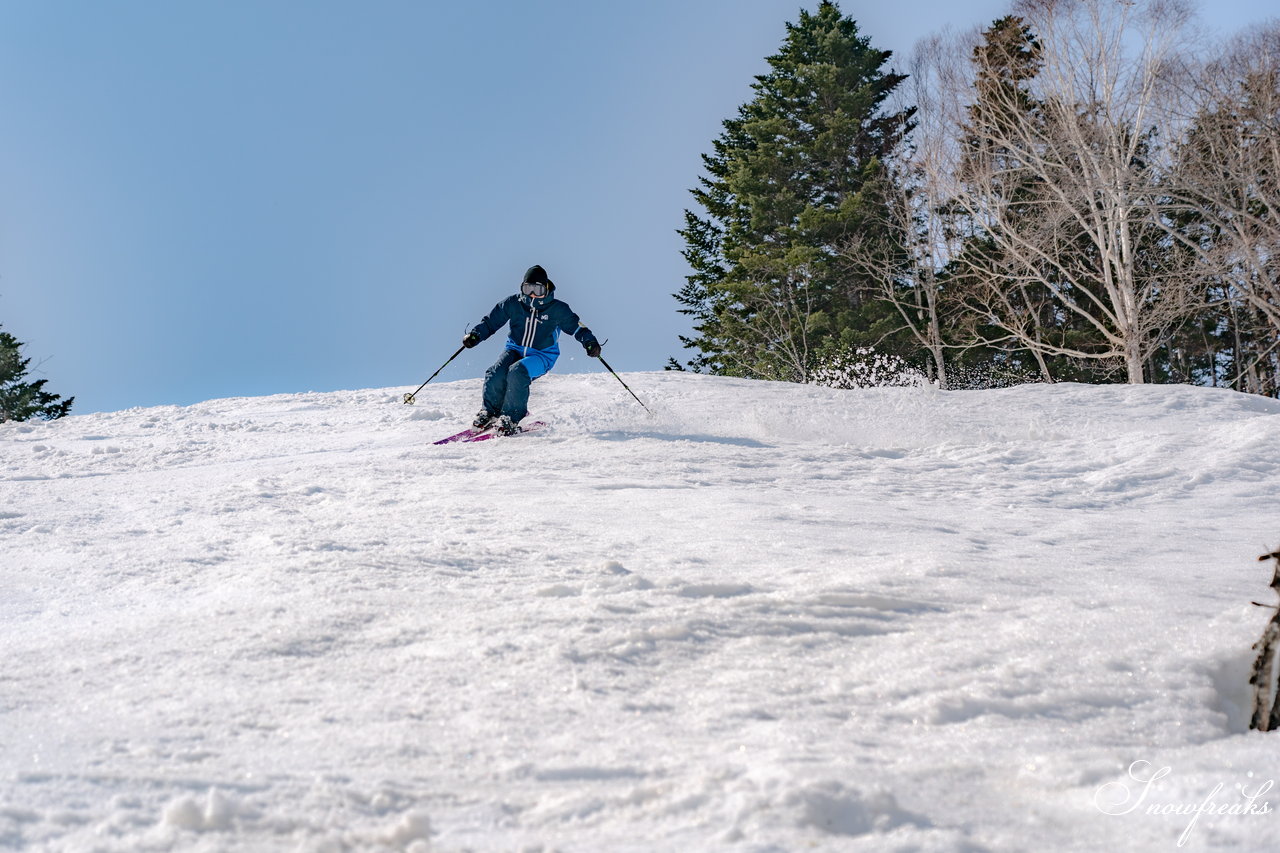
(409, 398)
(624, 385)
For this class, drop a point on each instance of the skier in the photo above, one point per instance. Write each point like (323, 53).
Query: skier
(535, 319)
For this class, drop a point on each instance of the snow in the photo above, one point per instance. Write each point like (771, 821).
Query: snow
(768, 617)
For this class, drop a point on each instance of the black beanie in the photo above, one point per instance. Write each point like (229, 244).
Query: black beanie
(536, 274)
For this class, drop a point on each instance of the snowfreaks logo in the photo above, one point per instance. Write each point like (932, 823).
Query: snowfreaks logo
(1122, 798)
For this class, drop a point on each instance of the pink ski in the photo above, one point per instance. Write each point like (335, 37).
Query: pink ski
(488, 434)
(466, 435)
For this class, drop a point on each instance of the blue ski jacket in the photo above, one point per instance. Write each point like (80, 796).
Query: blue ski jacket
(534, 325)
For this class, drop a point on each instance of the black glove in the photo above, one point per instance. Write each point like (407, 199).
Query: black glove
(470, 340)
(593, 349)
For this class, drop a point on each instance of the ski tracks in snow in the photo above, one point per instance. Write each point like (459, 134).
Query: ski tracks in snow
(836, 620)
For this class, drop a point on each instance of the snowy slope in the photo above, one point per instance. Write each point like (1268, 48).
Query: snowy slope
(888, 619)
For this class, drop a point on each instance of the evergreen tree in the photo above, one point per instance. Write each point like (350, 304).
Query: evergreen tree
(790, 178)
(1005, 64)
(19, 400)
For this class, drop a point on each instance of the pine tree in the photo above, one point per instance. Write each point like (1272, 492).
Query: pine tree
(988, 279)
(791, 176)
(19, 400)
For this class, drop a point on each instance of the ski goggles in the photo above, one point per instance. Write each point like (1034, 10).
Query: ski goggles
(536, 289)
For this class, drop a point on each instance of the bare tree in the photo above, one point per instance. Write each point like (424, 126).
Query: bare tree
(905, 255)
(1060, 180)
(1266, 701)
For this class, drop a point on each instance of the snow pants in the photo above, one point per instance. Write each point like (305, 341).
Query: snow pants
(506, 383)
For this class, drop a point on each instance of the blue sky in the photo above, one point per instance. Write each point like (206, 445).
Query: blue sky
(212, 199)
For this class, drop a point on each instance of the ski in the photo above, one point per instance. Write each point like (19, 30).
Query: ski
(466, 435)
(473, 434)
(488, 434)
